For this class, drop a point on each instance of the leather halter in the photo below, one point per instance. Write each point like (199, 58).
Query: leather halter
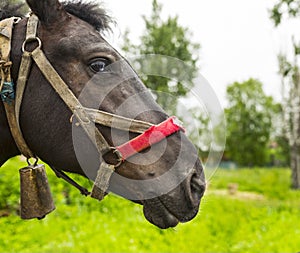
(86, 117)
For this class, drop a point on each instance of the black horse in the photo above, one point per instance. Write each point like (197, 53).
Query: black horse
(71, 40)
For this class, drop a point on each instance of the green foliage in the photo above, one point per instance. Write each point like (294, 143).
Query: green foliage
(290, 77)
(198, 130)
(273, 184)
(226, 223)
(166, 38)
(291, 8)
(249, 123)
(9, 192)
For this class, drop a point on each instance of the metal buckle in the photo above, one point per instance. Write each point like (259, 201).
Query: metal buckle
(31, 39)
(118, 155)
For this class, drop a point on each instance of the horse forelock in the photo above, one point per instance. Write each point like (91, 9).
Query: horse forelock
(90, 12)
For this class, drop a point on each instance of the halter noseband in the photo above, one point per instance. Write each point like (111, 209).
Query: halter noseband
(86, 117)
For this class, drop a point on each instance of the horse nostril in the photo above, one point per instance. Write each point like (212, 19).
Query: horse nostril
(197, 185)
(151, 173)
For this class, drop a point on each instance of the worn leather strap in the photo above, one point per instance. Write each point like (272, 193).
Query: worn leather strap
(25, 66)
(119, 122)
(5, 48)
(31, 29)
(101, 183)
(24, 71)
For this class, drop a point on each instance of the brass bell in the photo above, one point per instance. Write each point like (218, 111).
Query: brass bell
(36, 198)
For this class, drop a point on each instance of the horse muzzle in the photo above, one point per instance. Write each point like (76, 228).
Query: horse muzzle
(179, 205)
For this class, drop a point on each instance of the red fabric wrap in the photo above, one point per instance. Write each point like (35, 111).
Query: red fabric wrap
(151, 136)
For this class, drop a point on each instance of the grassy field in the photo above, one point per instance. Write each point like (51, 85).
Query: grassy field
(263, 215)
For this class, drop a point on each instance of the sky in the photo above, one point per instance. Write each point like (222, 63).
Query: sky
(238, 40)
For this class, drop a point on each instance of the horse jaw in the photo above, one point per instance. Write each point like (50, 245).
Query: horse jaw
(168, 197)
(8, 147)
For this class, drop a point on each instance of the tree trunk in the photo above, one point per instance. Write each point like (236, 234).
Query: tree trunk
(291, 111)
(295, 166)
(295, 131)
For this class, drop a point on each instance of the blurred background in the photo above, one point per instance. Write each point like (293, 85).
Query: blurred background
(248, 52)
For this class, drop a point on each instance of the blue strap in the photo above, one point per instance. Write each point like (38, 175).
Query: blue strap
(8, 92)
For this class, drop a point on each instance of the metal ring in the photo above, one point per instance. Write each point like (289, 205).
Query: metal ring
(31, 39)
(118, 155)
(17, 20)
(35, 162)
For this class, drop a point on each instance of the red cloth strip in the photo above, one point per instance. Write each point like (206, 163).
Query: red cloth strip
(151, 136)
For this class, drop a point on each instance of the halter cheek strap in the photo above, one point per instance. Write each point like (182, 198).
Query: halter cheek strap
(86, 117)
(7, 89)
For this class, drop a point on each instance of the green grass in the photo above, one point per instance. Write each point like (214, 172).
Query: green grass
(263, 216)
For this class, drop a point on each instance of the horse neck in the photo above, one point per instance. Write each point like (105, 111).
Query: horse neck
(8, 147)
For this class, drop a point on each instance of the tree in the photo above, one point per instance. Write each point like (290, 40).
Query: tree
(165, 38)
(249, 123)
(285, 8)
(290, 75)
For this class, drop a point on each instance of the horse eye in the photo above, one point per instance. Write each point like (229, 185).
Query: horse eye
(99, 65)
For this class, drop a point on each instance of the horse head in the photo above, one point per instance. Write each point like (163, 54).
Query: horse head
(166, 178)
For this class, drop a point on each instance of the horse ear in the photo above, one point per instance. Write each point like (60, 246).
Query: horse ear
(48, 11)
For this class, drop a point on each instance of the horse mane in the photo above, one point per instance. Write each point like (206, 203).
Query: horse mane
(8, 10)
(90, 12)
